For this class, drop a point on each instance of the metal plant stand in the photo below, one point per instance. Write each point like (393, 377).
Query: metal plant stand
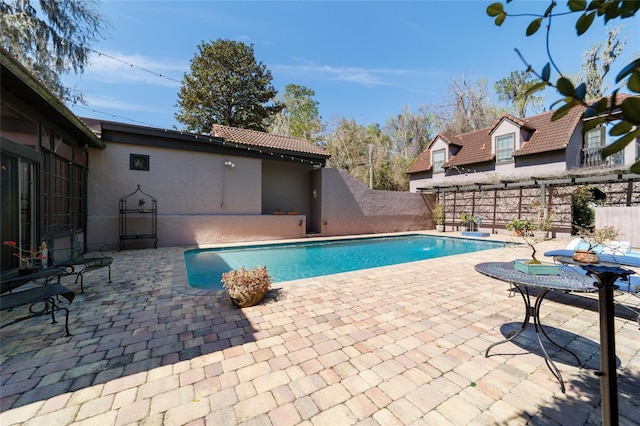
(138, 217)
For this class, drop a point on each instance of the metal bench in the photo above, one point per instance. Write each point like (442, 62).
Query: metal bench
(47, 293)
(67, 250)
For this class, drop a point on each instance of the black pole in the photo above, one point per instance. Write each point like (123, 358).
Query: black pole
(606, 277)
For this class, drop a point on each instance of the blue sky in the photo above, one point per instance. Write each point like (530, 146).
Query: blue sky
(365, 60)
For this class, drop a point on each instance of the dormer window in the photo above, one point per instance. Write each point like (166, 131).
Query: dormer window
(505, 145)
(595, 138)
(437, 159)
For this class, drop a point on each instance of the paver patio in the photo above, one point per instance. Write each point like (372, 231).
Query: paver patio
(402, 344)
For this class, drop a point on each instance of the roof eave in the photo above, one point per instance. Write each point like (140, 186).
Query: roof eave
(21, 81)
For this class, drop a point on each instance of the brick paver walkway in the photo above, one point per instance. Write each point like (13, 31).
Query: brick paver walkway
(398, 345)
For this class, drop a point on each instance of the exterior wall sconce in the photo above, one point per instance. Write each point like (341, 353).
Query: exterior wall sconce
(314, 194)
(229, 164)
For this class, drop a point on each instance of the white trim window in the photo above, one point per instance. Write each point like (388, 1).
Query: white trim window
(437, 159)
(595, 138)
(505, 145)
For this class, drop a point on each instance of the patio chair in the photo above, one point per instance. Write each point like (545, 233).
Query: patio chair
(616, 252)
(66, 249)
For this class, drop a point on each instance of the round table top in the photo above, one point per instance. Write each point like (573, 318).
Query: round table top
(567, 279)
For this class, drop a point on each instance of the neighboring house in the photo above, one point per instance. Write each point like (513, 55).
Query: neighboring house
(513, 149)
(43, 150)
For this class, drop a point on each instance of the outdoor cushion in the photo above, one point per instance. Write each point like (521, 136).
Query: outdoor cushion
(622, 259)
(614, 247)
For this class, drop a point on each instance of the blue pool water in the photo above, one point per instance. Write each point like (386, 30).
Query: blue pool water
(292, 261)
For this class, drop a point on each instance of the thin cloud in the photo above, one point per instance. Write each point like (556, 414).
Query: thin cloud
(368, 77)
(109, 103)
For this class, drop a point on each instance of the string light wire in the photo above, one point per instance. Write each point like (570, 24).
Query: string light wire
(135, 66)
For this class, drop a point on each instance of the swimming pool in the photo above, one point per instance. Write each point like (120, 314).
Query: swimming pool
(292, 261)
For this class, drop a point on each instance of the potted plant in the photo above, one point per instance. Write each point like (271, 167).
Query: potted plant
(533, 231)
(469, 221)
(520, 226)
(438, 214)
(247, 287)
(594, 237)
(30, 260)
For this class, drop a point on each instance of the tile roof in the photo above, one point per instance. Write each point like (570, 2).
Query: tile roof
(510, 117)
(476, 148)
(546, 135)
(267, 140)
(550, 135)
(421, 164)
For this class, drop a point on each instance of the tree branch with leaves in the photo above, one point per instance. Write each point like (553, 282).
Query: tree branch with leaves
(623, 111)
(52, 38)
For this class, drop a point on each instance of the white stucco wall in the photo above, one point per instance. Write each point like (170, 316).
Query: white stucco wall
(630, 153)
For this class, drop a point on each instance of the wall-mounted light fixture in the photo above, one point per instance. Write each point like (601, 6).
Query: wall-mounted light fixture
(229, 164)
(314, 194)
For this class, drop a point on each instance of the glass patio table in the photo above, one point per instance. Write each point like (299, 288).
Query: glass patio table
(566, 281)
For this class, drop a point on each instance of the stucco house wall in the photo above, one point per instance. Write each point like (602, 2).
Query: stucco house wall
(200, 199)
(573, 153)
(183, 182)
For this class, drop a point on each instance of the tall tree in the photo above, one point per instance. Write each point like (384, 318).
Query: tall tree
(51, 38)
(468, 106)
(347, 144)
(299, 117)
(596, 63)
(408, 133)
(623, 112)
(226, 86)
(514, 90)
(366, 153)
